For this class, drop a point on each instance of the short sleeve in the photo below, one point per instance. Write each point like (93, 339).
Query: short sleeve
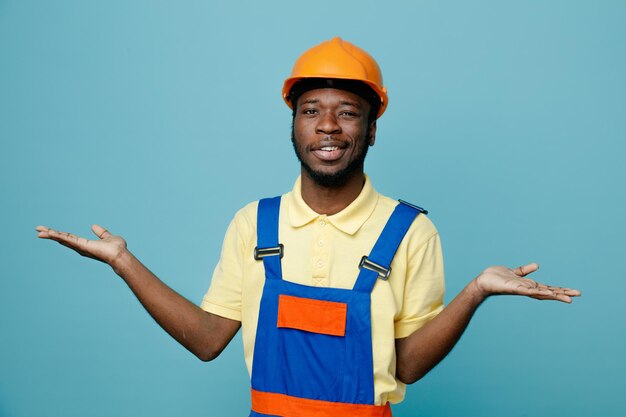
(424, 287)
(224, 295)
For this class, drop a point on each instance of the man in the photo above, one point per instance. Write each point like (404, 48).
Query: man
(338, 289)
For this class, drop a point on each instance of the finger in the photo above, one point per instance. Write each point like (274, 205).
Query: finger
(550, 294)
(561, 290)
(68, 238)
(524, 270)
(71, 246)
(554, 297)
(529, 291)
(42, 232)
(100, 231)
(567, 291)
(530, 288)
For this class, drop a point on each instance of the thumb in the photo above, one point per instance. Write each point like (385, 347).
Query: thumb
(524, 270)
(100, 231)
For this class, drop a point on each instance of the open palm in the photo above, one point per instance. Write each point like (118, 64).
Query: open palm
(106, 249)
(502, 280)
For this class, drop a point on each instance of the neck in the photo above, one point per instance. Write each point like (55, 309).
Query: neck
(331, 200)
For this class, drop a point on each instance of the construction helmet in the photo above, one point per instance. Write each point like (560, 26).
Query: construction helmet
(341, 60)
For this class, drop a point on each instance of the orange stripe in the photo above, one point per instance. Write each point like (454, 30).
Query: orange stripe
(287, 406)
(317, 316)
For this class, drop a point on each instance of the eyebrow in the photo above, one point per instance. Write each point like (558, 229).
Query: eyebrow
(355, 104)
(351, 103)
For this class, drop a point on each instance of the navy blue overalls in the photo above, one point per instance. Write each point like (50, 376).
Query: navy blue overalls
(313, 348)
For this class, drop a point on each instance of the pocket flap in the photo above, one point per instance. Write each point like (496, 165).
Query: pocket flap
(317, 316)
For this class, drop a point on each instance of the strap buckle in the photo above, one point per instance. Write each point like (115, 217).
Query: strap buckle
(260, 253)
(383, 273)
(418, 208)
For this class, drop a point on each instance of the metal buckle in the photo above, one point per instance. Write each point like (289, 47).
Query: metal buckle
(418, 208)
(383, 273)
(260, 253)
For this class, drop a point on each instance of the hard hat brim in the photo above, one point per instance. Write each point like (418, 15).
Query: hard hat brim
(380, 92)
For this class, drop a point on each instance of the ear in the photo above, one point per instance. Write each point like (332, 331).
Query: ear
(372, 133)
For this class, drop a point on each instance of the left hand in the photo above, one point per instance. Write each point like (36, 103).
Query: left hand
(501, 280)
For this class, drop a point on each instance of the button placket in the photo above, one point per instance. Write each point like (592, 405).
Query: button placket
(319, 260)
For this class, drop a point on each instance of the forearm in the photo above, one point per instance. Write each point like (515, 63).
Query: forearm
(203, 334)
(426, 347)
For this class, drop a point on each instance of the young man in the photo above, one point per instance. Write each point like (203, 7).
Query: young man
(338, 289)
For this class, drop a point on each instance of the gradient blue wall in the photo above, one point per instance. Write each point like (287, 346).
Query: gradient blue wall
(160, 119)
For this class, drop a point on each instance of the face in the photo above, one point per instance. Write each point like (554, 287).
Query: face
(331, 135)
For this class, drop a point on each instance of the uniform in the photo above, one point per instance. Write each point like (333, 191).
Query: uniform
(325, 251)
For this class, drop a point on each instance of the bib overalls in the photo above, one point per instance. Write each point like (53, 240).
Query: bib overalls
(313, 348)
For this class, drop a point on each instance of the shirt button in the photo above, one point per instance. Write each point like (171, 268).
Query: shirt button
(322, 223)
(320, 264)
(320, 243)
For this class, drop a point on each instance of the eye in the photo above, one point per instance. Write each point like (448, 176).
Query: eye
(349, 114)
(309, 111)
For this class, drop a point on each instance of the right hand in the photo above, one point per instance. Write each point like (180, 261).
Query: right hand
(107, 249)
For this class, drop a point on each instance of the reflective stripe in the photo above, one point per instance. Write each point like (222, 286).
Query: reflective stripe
(286, 406)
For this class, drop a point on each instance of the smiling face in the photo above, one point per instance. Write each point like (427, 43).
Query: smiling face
(331, 134)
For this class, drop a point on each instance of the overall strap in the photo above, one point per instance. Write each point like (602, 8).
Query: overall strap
(268, 247)
(377, 264)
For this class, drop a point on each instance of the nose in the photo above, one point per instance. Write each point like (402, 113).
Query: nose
(327, 124)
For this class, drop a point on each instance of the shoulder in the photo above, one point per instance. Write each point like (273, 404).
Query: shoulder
(244, 221)
(247, 214)
(422, 229)
(246, 217)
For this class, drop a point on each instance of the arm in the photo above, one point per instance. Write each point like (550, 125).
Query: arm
(204, 334)
(426, 347)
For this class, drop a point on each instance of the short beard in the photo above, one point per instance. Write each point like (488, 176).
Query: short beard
(337, 179)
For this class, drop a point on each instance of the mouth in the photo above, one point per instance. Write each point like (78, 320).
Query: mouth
(329, 153)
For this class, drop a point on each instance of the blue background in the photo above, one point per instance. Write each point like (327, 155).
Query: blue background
(160, 119)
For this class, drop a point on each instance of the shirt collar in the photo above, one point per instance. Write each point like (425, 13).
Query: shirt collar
(348, 220)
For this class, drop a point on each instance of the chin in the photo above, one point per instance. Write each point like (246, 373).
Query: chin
(333, 179)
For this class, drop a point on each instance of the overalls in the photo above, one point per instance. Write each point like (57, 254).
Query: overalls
(313, 348)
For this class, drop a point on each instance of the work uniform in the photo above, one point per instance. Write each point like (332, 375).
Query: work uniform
(325, 251)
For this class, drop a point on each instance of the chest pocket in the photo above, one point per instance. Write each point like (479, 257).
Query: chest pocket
(315, 316)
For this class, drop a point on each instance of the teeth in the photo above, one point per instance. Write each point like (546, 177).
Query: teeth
(330, 148)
